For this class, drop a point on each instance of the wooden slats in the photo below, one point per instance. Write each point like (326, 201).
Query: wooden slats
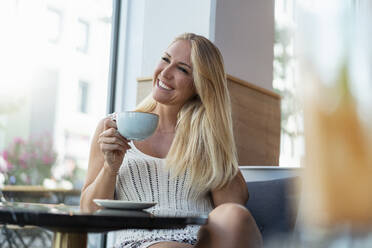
(256, 121)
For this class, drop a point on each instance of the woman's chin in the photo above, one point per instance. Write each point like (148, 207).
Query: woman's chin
(160, 99)
(159, 96)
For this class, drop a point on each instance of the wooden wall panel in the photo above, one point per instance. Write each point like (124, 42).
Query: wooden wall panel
(144, 88)
(256, 120)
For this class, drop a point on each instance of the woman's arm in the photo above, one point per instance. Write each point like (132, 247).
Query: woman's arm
(236, 191)
(106, 154)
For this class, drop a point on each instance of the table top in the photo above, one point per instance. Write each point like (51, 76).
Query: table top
(64, 218)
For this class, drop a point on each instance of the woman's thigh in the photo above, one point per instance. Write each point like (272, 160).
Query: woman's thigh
(170, 244)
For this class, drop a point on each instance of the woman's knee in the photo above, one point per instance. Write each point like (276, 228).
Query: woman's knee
(232, 214)
(237, 225)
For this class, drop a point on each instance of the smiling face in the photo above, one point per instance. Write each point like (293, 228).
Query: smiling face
(173, 79)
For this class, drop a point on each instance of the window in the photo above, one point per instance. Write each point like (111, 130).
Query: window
(82, 36)
(53, 24)
(41, 94)
(83, 97)
(285, 74)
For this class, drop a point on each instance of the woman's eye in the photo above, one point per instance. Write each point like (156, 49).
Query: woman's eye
(183, 70)
(165, 59)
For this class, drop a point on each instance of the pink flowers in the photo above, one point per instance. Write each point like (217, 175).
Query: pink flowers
(5, 155)
(47, 159)
(29, 161)
(18, 140)
(8, 165)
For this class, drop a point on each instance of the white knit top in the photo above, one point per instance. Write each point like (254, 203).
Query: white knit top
(144, 178)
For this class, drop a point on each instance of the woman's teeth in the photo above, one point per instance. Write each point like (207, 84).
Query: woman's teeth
(162, 85)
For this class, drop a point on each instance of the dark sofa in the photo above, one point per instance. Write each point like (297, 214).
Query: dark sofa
(273, 204)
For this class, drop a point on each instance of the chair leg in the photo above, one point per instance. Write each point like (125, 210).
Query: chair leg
(32, 239)
(20, 239)
(45, 235)
(8, 235)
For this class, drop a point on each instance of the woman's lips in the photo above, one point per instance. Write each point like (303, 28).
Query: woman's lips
(163, 85)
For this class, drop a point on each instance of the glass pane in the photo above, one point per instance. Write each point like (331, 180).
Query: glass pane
(285, 79)
(54, 68)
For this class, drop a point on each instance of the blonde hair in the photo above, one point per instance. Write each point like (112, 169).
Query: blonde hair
(204, 143)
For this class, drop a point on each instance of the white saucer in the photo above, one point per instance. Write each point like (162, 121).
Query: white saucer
(128, 205)
(122, 212)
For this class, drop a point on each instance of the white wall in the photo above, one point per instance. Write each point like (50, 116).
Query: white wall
(244, 32)
(148, 28)
(166, 19)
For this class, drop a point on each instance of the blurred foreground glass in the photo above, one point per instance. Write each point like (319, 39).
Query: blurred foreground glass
(336, 74)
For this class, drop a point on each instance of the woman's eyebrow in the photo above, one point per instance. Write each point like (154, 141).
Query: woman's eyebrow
(182, 63)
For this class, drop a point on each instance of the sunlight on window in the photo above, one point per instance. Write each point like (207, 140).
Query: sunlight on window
(326, 52)
(285, 80)
(46, 48)
(83, 96)
(82, 35)
(53, 24)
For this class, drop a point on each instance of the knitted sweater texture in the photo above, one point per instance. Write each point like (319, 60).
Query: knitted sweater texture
(144, 178)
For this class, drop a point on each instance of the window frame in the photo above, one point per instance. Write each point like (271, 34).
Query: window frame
(113, 67)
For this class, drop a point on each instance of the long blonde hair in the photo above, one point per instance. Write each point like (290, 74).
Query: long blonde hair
(204, 142)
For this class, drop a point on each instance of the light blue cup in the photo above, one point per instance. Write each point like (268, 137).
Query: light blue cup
(136, 125)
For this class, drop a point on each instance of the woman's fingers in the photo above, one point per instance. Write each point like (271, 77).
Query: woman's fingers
(113, 140)
(109, 123)
(112, 132)
(112, 143)
(109, 132)
(111, 147)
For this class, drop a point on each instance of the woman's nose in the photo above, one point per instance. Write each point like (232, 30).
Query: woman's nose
(167, 72)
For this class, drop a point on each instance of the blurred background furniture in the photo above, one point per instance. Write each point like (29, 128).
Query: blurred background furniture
(32, 236)
(38, 193)
(24, 237)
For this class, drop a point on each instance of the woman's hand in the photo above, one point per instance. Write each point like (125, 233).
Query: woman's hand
(112, 145)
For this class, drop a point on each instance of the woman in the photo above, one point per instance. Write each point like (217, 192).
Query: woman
(189, 164)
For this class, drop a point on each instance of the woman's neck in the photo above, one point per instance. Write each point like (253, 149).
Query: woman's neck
(167, 118)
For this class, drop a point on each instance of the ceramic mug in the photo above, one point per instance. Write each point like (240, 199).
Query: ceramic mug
(136, 125)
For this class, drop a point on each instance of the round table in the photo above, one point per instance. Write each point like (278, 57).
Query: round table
(71, 225)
